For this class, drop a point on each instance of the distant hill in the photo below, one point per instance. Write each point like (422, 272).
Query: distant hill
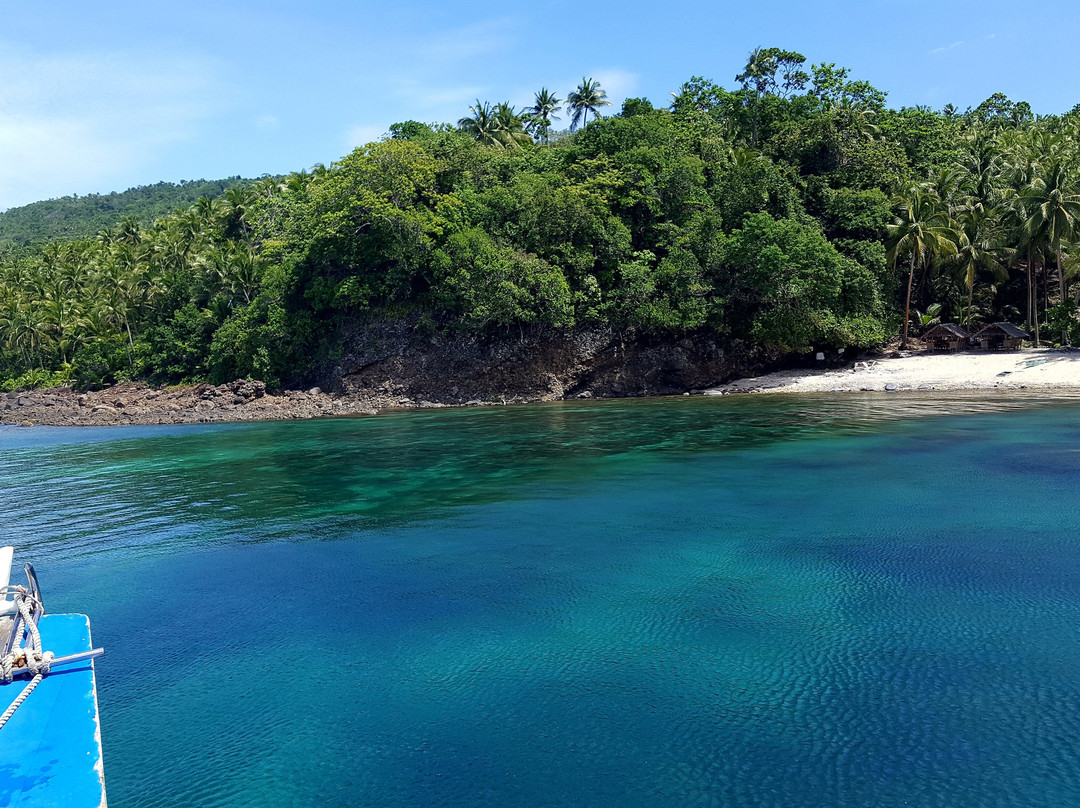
(74, 217)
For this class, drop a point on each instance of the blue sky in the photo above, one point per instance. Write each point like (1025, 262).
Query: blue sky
(100, 97)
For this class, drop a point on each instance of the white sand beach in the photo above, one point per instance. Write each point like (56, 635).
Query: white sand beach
(1033, 369)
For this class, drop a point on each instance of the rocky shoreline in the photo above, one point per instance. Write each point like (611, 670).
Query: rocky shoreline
(390, 366)
(139, 404)
(1041, 371)
(130, 404)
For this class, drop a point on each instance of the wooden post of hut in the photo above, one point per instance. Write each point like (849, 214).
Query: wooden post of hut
(1001, 337)
(947, 337)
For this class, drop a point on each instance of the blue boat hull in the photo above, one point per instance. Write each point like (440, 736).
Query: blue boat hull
(50, 750)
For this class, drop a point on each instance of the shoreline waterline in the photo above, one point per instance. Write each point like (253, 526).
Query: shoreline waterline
(1033, 369)
(1032, 372)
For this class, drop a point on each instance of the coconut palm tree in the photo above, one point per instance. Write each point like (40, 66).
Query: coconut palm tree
(509, 130)
(980, 159)
(979, 244)
(1020, 167)
(922, 230)
(588, 97)
(542, 113)
(483, 125)
(498, 126)
(237, 202)
(1054, 215)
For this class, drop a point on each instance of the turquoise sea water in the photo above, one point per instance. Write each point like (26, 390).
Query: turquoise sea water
(868, 601)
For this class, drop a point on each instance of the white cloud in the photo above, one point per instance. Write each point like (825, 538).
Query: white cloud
(430, 68)
(267, 123)
(426, 95)
(69, 123)
(363, 134)
(945, 48)
(469, 42)
(618, 84)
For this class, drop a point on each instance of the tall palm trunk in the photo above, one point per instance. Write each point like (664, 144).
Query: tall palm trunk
(1061, 288)
(907, 303)
(131, 345)
(1030, 294)
(1046, 285)
(1037, 308)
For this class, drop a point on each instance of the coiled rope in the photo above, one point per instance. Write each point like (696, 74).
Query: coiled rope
(30, 655)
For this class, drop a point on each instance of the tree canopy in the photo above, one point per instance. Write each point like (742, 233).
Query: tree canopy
(795, 212)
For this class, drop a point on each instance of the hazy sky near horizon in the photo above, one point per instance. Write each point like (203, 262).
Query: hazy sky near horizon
(97, 98)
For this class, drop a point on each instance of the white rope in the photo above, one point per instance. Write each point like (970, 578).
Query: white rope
(10, 711)
(35, 661)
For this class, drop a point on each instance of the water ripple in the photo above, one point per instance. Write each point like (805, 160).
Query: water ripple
(754, 602)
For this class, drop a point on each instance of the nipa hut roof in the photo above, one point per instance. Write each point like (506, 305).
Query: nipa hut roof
(946, 330)
(1008, 329)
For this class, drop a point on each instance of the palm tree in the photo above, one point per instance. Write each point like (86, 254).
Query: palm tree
(921, 229)
(118, 291)
(509, 128)
(1021, 168)
(542, 113)
(236, 204)
(298, 181)
(756, 77)
(482, 125)
(588, 97)
(129, 231)
(980, 158)
(979, 243)
(1055, 216)
(499, 126)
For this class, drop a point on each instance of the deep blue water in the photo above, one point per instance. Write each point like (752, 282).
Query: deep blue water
(765, 601)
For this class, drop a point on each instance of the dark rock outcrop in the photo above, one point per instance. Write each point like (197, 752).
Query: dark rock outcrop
(393, 365)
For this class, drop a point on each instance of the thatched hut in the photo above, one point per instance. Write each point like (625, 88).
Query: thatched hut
(947, 337)
(1001, 337)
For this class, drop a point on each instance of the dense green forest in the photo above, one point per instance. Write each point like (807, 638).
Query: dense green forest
(796, 211)
(75, 217)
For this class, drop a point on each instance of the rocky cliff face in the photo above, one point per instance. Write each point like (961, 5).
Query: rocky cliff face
(537, 365)
(394, 365)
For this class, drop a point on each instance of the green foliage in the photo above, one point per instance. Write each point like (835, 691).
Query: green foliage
(411, 130)
(850, 213)
(37, 378)
(587, 97)
(795, 211)
(928, 138)
(791, 290)
(485, 284)
(176, 350)
(1062, 319)
(671, 295)
(75, 217)
(754, 184)
(832, 88)
(103, 362)
(636, 106)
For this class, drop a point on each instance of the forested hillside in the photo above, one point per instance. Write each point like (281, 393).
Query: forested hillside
(796, 212)
(74, 217)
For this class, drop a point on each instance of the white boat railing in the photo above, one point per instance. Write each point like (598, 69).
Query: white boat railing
(7, 602)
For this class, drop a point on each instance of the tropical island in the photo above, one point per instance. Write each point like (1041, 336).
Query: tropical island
(654, 249)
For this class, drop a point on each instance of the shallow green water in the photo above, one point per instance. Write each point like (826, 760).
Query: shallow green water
(757, 601)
